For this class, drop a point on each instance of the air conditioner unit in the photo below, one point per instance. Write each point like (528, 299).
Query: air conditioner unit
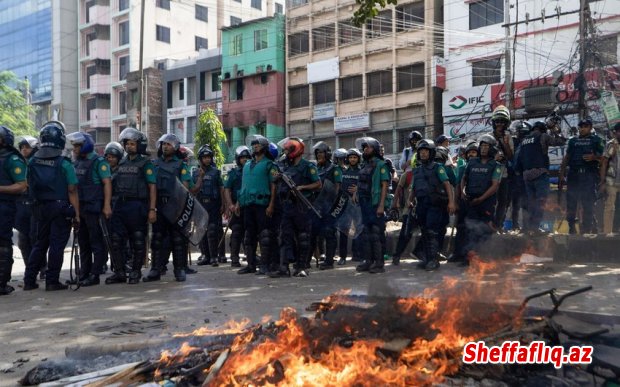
(239, 73)
(269, 67)
(260, 69)
(226, 75)
(539, 99)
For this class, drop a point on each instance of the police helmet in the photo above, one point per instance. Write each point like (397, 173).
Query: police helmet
(321, 146)
(442, 154)
(7, 136)
(115, 149)
(539, 125)
(441, 139)
(415, 135)
(52, 139)
(30, 141)
(340, 154)
(426, 144)
(272, 153)
(254, 139)
(171, 139)
(294, 146)
(134, 134)
(242, 151)
(500, 114)
(205, 150)
(491, 141)
(354, 152)
(85, 140)
(472, 146)
(363, 142)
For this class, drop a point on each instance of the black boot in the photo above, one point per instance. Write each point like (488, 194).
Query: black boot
(377, 267)
(364, 266)
(51, 287)
(179, 275)
(134, 277)
(153, 275)
(342, 261)
(6, 289)
(282, 271)
(396, 260)
(119, 277)
(6, 265)
(247, 270)
(92, 280)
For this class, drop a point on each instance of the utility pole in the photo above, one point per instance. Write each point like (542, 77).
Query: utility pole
(507, 58)
(584, 11)
(141, 69)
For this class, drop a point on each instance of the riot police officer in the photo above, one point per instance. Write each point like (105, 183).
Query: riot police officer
(232, 186)
(583, 154)
(340, 158)
(257, 199)
(409, 152)
(518, 195)
(325, 227)
(135, 204)
(481, 180)
(533, 166)
(53, 184)
(433, 194)
(95, 193)
(209, 190)
(500, 120)
(113, 154)
(12, 185)
(296, 222)
(350, 179)
(169, 168)
(372, 189)
(28, 146)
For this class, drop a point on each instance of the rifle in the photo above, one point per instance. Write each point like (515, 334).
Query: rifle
(412, 221)
(75, 256)
(116, 263)
(293, 187)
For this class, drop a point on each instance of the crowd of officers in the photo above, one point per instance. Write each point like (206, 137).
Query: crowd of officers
(110, 201)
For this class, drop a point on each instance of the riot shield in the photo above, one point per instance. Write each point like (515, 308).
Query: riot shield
(347, 215)
(326, 198)
(185, 212)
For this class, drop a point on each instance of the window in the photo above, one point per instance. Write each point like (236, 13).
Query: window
(409, 16)
(91, 104)
(485, 72)
(123, 67)
(234, 21)
(485, 13)
(256, 4)
(181, 90)
(165, 4)
(235, 89)
(379, 82)
(324, 92)
(299, 96)
(123, 33)
(201, 43)
(202, 13)
(351, 87)
(162, 33)
(133, 93)
(216, 83)
(236, 46)
(279, 8)
(380, 25)
(298, 43)
(297, 3)
(122, 102)
(123, 5)
(410, 77)
(88, 5)
(348, 33)
(260, 40)
(323, 37)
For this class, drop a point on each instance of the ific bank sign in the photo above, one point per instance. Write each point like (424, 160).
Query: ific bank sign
(465, 101)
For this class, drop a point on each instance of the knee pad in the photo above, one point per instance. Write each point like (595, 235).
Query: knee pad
(236, 228)
(265, 237)
(157, 242)
(139, 240)
(212, 232)
(118, 243)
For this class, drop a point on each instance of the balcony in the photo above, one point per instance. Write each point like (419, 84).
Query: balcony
(100, 84)
(97, 49)
(99, 118)
(99, 14)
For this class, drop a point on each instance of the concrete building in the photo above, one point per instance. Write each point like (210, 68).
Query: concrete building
(546, 60)
(253, 79)
(344, 81)
(109, 48)
(39, 43)
(190, 87)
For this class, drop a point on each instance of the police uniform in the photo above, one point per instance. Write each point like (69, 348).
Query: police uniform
(12, 170)
(48, 179)
(254, 197)
(373, 173)
(431, 211)
(325, 227)
(350, 177)
(168, 171)
(211, 199)
(232, 182)
(91, 171)
(582, 180)
(24, 224)
(130, 189)
(296, 220)
(533, 164)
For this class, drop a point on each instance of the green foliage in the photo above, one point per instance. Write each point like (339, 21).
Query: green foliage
(15, 113)
(368, 9)
(210, 131)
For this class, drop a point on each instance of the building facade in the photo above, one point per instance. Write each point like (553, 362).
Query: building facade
(38, 43)
(190, 87)
(109, 48)
(344, 81)
(545, 54)
(253, 79)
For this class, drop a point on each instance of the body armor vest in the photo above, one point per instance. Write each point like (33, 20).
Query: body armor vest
(88, 191)
(480, 176)
(235, 178)
(167, 174)
(364, 187)
(425, 180)
(255, 187)
(46, 179)
(583, 146)
(531, 153)
(210, 188)
(350, 177)
(129, 181)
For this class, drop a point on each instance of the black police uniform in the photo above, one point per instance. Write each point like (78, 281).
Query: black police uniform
(350, 177)
(325, 227)
(531, 158)
(233, 182)
(24, 224)
(211, 199)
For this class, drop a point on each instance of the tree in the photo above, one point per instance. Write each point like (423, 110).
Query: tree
(210, 132)
(15, 112)
(368, 9)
